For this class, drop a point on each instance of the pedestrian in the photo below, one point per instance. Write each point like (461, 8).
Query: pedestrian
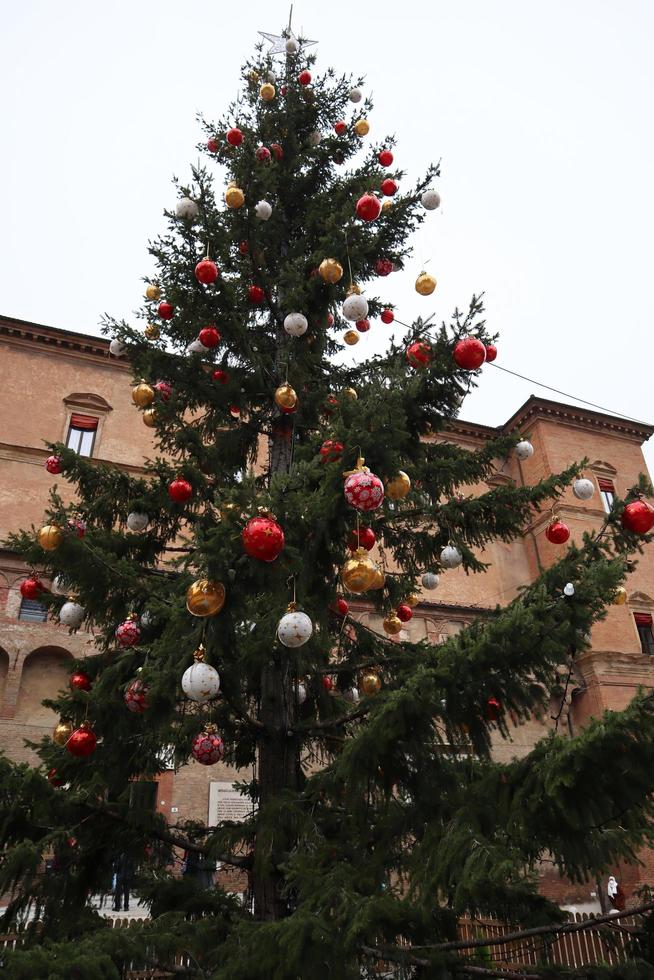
(123, 874)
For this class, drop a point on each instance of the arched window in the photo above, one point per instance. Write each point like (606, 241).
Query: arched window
(45, 673)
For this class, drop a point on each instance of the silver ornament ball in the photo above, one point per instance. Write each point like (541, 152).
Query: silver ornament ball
(583, 489)
(430, 200)
(355, 95)
(137, 521)
(451, 557)
(355, 307)
(430, 581)
(187, 209)
(524, 449)
(296, 324)
(71, 614)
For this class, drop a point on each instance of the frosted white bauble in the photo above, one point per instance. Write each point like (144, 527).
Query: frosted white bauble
(296, 324)
(315, 137)
(71, 614)
(116, 347)
(524, 449)
(187, 209)
(292, 45)
(355, 95)
(355, 307)
(137, 521)
(430, 200)
(430, 581)
(301, 692)
(569, 590)
(59, 586)
(351, 694)
(195, 347)
(451, 557)
(583, 489)
(263, 210)
(200, 682)
(294, 629)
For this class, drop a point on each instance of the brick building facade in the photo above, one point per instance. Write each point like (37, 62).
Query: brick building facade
(83, 398)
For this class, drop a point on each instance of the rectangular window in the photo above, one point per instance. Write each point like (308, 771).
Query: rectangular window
(32, 611)
(81, 434)
(143, 795)
(607, 493)
(645, 635)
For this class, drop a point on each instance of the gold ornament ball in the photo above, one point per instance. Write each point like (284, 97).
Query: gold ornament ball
(62, 732)
(387, 204)
(330, 270)
(152, 332)
(370, 683)
(286, 397)
(205, 598)
(253, 77)
(412, 600)
(425, 284)
(50, 537)
(150, 417)
(398, 486)
(267, 92)
(142, 394)
(234, 197)
(620, 596)
(350, 393)
(358, 572)
(392, 625)
(362, 127)
(351, 337)
(379, 580)
(153, 293)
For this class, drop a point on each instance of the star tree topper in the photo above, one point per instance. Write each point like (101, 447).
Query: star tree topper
(278, 41)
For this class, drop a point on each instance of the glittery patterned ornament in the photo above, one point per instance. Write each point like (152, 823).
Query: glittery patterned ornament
(363, 490)
(208, 747)
(294, 628)
(128, 633)
(136, 697)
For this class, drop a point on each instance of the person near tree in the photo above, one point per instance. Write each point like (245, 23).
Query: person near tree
(124, 876)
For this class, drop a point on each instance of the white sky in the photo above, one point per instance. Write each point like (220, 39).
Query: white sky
(541, 112)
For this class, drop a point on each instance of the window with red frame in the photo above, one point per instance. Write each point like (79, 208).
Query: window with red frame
(607, 493)
(645, 635)
(81, 433)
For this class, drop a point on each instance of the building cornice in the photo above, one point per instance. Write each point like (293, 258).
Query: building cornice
(23, 334)
(36, 457)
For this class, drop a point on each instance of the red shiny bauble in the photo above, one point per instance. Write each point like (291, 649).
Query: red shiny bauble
(304, 78)
(277, 151)
(164, 389)
(383, 267)
(82, 742)
(493, 709)
(212, 145)
(557, 532)
(209, 337)
(469, 353)
(244, 247)
(418, 354)
(54, 779)
(368, 207)
(388, 187)
(79, 681)
(234, 411)
(234, 137)
(166, 311)
(387, 316)
(331, 450)
(128, 633)
(31, 588)
(53, 464)
(340, 127)
(328, 683)
(262, 153)
(220, 376)
(206, 272)
(365, 537)
(363, 326)
(180, 490)
(638, 517)
(385, 157)
(342, 607)
(491, 353)
(404, 612)
(207, 748)
(262, 538)
(283, 90)
(136, 697)
(256, 294)
(364, 491)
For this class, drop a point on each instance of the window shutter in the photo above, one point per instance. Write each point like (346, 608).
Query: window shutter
(606, 485)
(86, 422)
(643, 619)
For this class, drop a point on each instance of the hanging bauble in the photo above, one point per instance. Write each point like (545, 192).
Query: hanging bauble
(368, 207)
(355, 307)
(277, 151)
(404, 612)
(31, 588)
(557, 532)
(418, 354)
(342, 606)
(53, 465)
(292, 45)
(256, 295)
(430, 200)
(208, 748)
(82, 741)
(117, 347)
(234, 136)
(294, 628)
(128, 633)
(425, 284)
(71, 614)
(429, 581)
(187, 209)
(50, 537)
(492, 710)
(77, 526)
(54, 780)
(358, 572)
(388, 187)
(620, 596)
(583, 489)
(524, 449)
(340, 127)
(200, 681)
(220, 376)
(370, 683)
(286, 398)
(469, 353)
(59, 585)
(152, 292)
(331, 451)
(180, 490)
(363, 537)
(491, 353)
(206, 271)
(638, 517)
(398, 486)
(385, 157)
(79, 681)
(267, 92)
(327, 683)
(451, 557)
(392, 625)
(152, 332)
(150, 417)
(263, 538)
(62, 731)
(263, 210)
(362, 127)
(137, 521)
(304, 78)
(205, 597)
(142, 394)
(355, 95)
(262, 153)
(384, 267)
(387, 205)
(315, 137)
(209, 337)
(363, 326)
(213, 145)
(234, 197)
(387, 316)
(379, 579)
(351, 338)
(363, 490)
(300, 692)
(351, 694)
(296, 324)
(412, 600)
(165, 311)
(136, 695)
(330, 270)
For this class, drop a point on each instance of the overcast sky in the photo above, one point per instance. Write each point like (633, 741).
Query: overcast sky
(541, 113)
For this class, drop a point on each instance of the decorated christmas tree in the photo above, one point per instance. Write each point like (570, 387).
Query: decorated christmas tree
(290, 483)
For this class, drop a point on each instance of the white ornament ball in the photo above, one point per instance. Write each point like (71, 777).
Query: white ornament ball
(263, 210)
(71, 614)
(583, 489)
(355, 307)
(524, 449)
(295, 324)
(187, 209)
(195, 347)
(430, 581)
(351, 694)
(294, 629)
(137, 521)
(116, 347)
(451, 557)
(292, 45)
(356, 95)
(59, 586)
(569, 589)
(301, 692)
(200, 682)
(315, 137)
(430, 200)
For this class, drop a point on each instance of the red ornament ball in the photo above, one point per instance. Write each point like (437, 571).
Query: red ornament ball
(638, 517)
(363, 326)
(136, 695)
(383, 267)
(220, 376)
(77, 526)
(262, 538)
(165, 311)
(53, 464)
(365, 537)
(180, 490)
(342, 607)
(340, 127)
(330, 451)
(128, 633)
(387, 316)
(557, 532)
(491, 353)
(493, 709)
(234, 137)
(54, 779)
(164, 389)
(277, 151)
(368, 207)
(206, 272)
(213, 145)
(209, 337)
(207, 748)
(385, 157)
(82, 742)
(388, 187)
(469, 353)
(364, 491)
(244, 247)
(418, 354)
(256, 294)
(262, 154)
(304, 78)
(235, 411)
(328, 683)
(31, 588)
(330, 319)
(404, 612)
(79, 681)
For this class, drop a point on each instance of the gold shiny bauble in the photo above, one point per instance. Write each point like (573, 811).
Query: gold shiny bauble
(234, 197)
(370, 683)
(358, 572)
(267, 92)
(351, 337)
(350, 393)
(392, 625)
(50, 537)
(205, 598)
(152, 332)
(153, 292)
(286, 397)
(379, 580)
(253, 77)
(362, 127)
(620, 596)
(398, 486)
(387, 204)
(412, 600)
(62, 731)
(150, 417)
(330, 270)
(425, 284)
(142, 394)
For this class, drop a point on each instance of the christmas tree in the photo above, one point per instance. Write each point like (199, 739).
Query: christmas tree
(288, 483)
